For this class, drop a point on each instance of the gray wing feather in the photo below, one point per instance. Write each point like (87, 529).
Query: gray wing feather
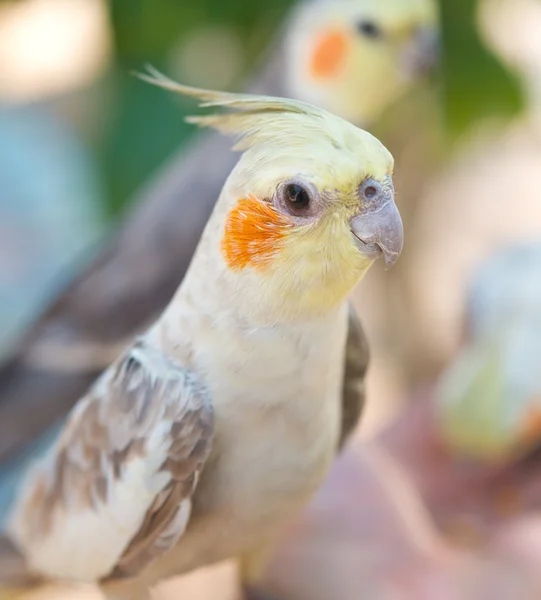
(357, 358)
(145, 408)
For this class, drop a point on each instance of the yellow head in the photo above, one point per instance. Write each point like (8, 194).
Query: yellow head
(355, 57)
(307, 209)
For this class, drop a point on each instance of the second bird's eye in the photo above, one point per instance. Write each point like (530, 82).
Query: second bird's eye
(369, 29)
(296, 197)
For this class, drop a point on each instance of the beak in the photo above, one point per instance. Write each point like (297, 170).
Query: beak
(422, 52)
(378, 228)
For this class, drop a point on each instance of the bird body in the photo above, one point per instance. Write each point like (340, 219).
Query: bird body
(292, 429)
(295, 372)
(222, 420)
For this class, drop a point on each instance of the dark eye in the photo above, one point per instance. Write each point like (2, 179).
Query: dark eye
(296, 197)
(370, 191)
(369, 29)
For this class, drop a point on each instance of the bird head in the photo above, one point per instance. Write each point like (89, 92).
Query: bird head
(309, 206)
(355, 57)
(490, 396)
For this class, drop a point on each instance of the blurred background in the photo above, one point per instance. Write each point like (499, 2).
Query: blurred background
(80, 135)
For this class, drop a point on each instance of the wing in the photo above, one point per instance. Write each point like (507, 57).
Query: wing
(115, 490)
(357, 358)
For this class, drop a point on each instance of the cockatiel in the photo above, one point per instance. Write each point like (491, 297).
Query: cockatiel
(354, 57)
(218, 423)
(489, 399)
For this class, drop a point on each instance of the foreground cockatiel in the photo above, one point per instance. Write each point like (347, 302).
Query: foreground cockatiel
(489, 399)
(354, 57)
(216, 425)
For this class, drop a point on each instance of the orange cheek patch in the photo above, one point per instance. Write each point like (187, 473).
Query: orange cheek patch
(254, 232)
(329, 54)
(531, 427)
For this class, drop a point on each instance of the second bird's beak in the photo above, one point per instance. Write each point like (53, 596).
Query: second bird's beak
(421, 53)
(378, 227)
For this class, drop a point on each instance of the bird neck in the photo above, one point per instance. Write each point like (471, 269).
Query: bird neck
(257, 299)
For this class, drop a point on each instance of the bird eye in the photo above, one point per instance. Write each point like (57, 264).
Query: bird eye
(296, 197)
(370, 191)
(369, 29)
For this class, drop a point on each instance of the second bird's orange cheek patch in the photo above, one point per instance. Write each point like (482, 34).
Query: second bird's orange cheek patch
(329, 54)
(254, 233)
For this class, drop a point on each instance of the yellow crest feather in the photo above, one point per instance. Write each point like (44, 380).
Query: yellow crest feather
(258, 119)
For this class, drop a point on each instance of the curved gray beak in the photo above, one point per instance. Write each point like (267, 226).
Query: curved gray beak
(422, 52)
(378, 227)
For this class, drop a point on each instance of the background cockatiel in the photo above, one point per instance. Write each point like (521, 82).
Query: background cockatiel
(354, 57)
(218, 424)
(489, 398)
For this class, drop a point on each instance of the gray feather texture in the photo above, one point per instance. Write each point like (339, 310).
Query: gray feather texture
(143, 408)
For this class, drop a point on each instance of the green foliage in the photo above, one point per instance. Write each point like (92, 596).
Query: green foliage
(476, 85)
(147, 127)
(145, 30)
